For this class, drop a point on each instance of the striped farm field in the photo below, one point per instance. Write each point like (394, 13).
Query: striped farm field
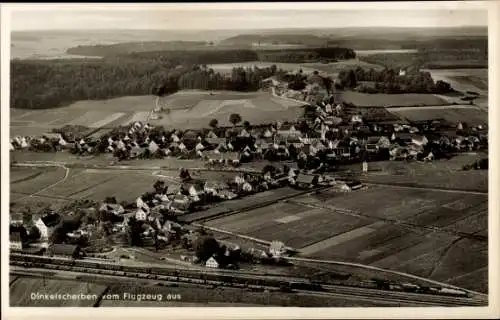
(383, 226)
(391, 100)
(452, 114)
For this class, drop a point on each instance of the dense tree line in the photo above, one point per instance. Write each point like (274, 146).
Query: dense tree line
(390, 81)
(327, 54)
(50, 84)
(211, 54)
(432, 59)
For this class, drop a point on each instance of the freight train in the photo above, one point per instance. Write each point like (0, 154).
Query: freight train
(217, 278)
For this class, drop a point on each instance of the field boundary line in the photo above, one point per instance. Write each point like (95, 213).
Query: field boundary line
(402, 186)
(66, 175)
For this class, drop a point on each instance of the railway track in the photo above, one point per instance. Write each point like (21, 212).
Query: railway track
(246, 280)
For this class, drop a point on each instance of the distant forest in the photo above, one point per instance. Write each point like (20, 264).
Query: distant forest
(202, 53)
(432, 59)
(43, 84)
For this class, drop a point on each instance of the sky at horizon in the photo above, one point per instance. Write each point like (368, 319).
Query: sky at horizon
(171, 18)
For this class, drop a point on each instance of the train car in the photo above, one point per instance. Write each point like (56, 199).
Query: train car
(452, 292)
(409, 287)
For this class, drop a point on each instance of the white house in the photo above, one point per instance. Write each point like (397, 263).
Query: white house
(247, 187)
(199, 146)
(239, 180)
(196, 191)
(142, 205)
(140, 215)
(44, 230)
(277, 248)
(175, 138)
(153, 147)
(182, 147)
(243, 133)
(402, 72)
(356, 119)
(212, 263)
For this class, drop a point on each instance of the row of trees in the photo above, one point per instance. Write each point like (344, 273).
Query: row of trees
(389, 81)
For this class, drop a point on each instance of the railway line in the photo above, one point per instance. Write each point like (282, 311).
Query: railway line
(245, 280)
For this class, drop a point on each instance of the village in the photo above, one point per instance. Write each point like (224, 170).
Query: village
(300, 155)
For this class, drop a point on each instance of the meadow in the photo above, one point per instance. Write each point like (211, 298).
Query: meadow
(453, 114)
(391, 100)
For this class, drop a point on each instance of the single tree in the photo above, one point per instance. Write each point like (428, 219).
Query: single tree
(184, 175)
(213, 123)
(246, 124)
(235, 119)
(159, 186)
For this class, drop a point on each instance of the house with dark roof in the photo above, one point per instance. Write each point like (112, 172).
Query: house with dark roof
(306, 181)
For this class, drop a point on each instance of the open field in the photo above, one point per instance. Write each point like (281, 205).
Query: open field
(190, 109)
(463, 80)
(387, 100)
(438, 174)
(453, 114)
(22, 288)
(360, 227)
(194, 109)
(28, 180)
(89, 113)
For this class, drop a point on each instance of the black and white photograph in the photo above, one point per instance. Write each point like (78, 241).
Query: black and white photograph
(319, 155)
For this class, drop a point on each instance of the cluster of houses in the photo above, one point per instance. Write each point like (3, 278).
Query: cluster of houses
(332, 133)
